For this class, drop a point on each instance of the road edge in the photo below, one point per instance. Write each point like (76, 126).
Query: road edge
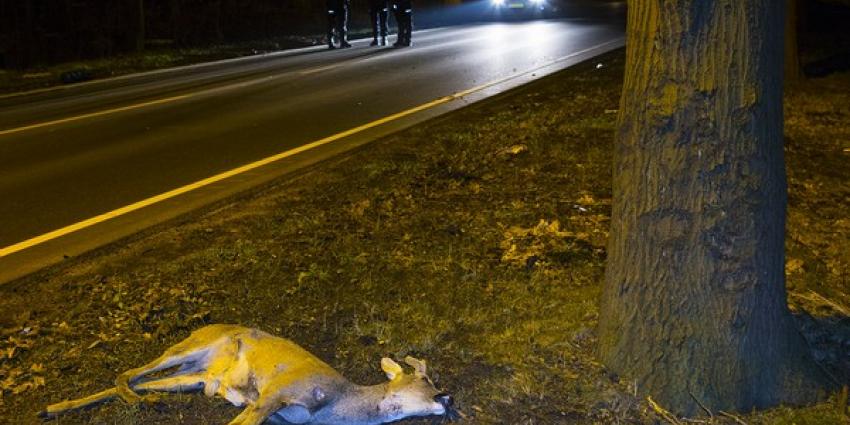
(46, 256)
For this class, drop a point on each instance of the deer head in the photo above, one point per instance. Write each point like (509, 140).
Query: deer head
(413, 394)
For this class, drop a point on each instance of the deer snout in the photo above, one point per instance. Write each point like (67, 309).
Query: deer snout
(447, 401)
(444, 399)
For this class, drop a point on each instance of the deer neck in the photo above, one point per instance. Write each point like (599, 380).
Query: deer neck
(358, 405)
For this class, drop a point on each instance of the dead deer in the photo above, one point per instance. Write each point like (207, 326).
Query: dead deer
(276, 380)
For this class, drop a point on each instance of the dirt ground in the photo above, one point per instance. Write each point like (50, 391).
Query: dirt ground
(476, 241)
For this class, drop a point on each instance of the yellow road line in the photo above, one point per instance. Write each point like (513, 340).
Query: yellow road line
(20, 246)
(210, 180)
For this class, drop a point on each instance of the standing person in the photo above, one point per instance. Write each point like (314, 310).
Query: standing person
(378, 13)
(403, 11)
(338, 22)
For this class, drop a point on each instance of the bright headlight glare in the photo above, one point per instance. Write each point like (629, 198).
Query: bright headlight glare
(498, 2)
(538, 2)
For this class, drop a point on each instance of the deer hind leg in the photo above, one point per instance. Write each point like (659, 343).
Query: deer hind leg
(180, 383)
(55, 409)
(173, 384)
(190, 355)
(190, 360)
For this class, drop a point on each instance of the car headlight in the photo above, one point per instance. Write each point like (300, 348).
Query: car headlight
(498, 2)
(538, 2)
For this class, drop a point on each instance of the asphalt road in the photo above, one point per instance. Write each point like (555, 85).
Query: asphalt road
(75, 153)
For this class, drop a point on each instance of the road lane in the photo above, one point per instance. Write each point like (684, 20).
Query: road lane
(58, 174)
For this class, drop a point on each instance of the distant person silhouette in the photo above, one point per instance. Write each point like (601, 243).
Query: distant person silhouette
(403, 11)
(378, 14)
(338, 22)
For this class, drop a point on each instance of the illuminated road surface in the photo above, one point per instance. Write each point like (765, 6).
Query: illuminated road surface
(79, 152)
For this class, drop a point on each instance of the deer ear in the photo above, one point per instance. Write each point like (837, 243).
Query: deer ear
(418, 365)
(391, 368)
(295, 414)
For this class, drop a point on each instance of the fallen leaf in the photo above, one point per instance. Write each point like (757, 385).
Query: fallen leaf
(793, 265)
(18, 389)
(586, 200)
(514, 150)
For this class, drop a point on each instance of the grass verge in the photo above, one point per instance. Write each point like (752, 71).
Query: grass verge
(476, 241)
(154, 58)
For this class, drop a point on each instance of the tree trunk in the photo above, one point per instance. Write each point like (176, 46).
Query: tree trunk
(694, 304)
(139, 40)
(134, 27)
(176, 24)
(217, 32)
(792, 58)
(29, 45)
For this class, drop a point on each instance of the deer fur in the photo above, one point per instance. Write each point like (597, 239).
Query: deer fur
(275, 380)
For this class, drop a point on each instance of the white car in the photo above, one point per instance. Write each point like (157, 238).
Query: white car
(524, 7)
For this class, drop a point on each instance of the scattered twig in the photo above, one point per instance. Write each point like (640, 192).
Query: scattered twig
(821, 300)
(838, 307)
(733, 417)
(669, 417)
(702, 406)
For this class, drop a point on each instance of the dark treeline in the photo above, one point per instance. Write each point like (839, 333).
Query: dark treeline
(41, 32)
(44, 32)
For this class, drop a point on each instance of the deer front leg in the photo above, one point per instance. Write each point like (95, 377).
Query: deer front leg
(281, 404)
(253, 415)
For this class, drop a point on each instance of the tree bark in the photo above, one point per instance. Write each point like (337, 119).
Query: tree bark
(694, 304)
